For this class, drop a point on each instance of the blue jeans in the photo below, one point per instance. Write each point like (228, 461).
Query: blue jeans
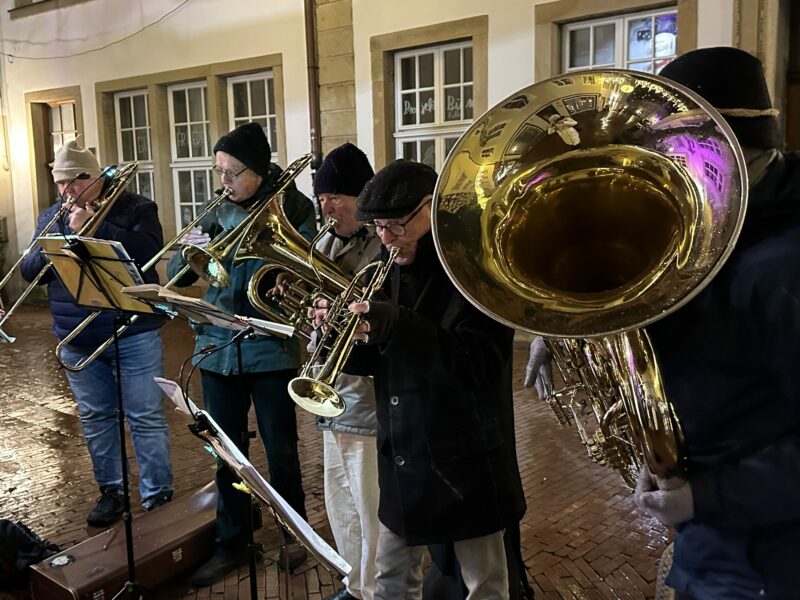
(227, 399)
(95, 389)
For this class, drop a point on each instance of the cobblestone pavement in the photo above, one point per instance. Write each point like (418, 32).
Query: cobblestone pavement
(582, 536)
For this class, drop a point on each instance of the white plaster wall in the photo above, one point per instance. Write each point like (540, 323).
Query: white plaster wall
(199, 32)
(714, 23)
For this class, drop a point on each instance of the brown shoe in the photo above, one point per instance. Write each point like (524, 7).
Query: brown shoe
(292, 554)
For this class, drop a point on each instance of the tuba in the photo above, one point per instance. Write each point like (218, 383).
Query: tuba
(583, 208)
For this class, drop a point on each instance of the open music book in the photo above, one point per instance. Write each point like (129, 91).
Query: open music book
(226, 450)
(200, 311)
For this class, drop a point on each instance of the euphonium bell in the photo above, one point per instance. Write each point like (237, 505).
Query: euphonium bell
(583, 208)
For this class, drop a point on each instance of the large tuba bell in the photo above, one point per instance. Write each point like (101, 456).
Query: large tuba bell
(583, 208)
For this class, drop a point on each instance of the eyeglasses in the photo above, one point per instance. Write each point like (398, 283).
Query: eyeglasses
(399, 229)
(229, 174)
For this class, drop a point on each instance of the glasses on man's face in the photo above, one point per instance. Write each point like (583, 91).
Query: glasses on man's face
(399, 229)
(229, 174)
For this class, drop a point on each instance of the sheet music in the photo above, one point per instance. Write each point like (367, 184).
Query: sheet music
(233, 457)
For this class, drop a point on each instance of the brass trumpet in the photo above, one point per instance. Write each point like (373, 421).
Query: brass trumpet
(101, 206)
(85, 362)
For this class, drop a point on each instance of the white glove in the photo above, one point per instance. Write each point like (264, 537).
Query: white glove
(196, 237)
(539, 371)
(669, 500)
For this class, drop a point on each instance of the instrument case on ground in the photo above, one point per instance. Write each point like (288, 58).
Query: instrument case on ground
(172, 539)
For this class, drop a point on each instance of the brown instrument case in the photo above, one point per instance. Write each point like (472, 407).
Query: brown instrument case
(167, 541)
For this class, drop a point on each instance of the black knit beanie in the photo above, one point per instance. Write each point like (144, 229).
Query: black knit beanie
(248, 144)
(729, 79)
(396, 190)
(344, 171)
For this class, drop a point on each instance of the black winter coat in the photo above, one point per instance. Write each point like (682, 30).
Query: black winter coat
(730, 361)
(447, 461)
(132, 221)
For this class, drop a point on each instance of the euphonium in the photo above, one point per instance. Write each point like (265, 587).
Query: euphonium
(583, 208)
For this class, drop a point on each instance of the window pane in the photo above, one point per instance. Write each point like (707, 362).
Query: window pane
(57, 142)
(200, 187)
(427, 151)
(146, 184)
(408, 107)
(139, 111)
(207, 150)
(468, 64)
(240, 100)
(125, 117)
(142, 145)
(182, 141)
(645, 67)
(273, 134)
(452, 66)
(448, 145)
(640, 38)
(67, 117)
(55, 119)
(179, 105)
(185, 186)
(408, 73)
(187, 214)
(258, 98)
(198, 140)
(410, 150)
(427, 110)
(660, 64)
(196, 104)
(579, 47)
(271, 95)
(468, 101)
(127, 146)
(68, 137)
(263, 122)
(452, 104)
(666, 34)
(604, 44)
(426, 70)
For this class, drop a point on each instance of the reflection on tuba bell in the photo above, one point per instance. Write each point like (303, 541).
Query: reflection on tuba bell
(583, 208)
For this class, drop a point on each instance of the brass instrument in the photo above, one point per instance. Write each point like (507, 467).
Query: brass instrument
(120, 177)
(272, 239)
(85, 362)
(208, 262)
(583, 208)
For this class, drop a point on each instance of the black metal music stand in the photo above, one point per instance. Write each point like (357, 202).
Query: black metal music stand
(94, 272)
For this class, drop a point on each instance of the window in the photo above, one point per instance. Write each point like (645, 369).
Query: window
(252, 98)
(191, 148)
(641, 42)
(433, 101)
(62, 124)
(133, 138)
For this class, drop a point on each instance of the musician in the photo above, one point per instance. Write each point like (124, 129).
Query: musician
(446, 453)
(133, 221)
(350, 460)
(729, 361)
(242, 160)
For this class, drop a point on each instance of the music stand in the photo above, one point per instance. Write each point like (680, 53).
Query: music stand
(209, 431)
(94, 272)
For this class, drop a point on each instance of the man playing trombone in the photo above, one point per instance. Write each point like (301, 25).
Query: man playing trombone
(242, 161)
(132, 221)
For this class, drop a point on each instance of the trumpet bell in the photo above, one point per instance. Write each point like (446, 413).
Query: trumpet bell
(316, 397)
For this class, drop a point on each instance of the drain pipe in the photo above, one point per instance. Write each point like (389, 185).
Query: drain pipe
(313, 85)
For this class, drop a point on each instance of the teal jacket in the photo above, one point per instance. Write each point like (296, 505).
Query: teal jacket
(264, 353)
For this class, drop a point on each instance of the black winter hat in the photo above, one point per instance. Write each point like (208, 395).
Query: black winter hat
(732, 80)
(344, 171)
(248, 144)
(396, 190)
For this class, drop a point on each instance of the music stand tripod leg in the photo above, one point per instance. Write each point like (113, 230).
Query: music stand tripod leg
(131, 588)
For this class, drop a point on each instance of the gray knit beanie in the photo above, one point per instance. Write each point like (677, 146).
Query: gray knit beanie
(72, 160)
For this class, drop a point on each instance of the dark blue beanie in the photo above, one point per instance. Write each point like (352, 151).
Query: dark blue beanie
(248, 144)
(344, 171)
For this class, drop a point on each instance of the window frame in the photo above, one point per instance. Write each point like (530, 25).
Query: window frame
(146, 167)
(272, 113)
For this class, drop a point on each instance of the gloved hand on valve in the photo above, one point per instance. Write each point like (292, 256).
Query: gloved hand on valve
(669, 500)
(196, 237)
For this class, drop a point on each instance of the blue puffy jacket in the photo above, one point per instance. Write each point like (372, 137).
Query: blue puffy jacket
(132, 221)
(730, 361)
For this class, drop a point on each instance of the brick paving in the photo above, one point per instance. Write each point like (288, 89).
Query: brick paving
(582, 536)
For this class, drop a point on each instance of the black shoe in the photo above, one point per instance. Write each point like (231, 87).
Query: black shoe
(294, 553)
(109, 508)
(217, 567)
(158, 500)
(342, 594)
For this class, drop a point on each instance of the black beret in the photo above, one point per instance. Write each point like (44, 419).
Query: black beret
(730, 78)
(344, 171)
(396, 190)
(248, 144)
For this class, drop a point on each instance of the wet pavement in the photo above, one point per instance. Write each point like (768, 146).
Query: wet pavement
(582, 536)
